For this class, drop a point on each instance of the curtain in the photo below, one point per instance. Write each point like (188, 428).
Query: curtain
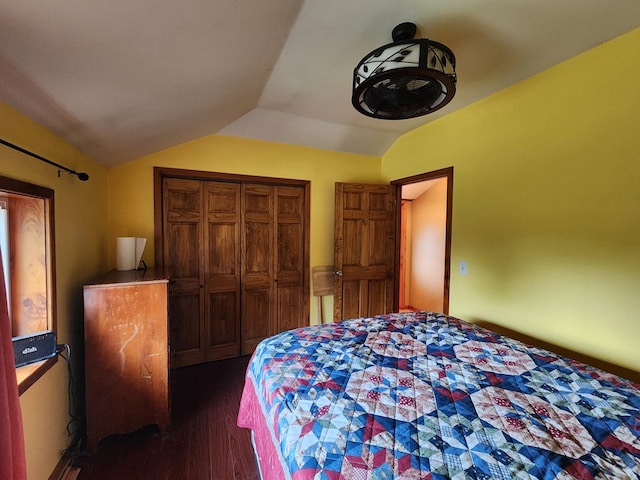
(13, 464)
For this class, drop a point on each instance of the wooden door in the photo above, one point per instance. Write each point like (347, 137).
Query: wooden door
(222, 270)
(273, 273)
(258, 240)
(364, 250)
(202, 250)
(289, 261)
(237, 249)
(182, 255)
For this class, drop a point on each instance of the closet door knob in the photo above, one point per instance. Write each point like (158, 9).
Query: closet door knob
(338, 273)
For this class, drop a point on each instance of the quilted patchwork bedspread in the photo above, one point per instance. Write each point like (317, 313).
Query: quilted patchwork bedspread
(426, 396)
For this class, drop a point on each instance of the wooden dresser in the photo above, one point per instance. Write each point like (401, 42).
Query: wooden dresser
(126, 353)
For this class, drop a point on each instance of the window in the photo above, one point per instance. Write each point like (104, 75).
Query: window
(27, 245)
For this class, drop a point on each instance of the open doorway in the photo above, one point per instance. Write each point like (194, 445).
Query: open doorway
(424, 241)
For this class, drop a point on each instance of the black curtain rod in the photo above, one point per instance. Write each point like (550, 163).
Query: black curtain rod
(81, 175)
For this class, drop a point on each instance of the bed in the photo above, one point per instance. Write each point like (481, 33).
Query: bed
(427, 396)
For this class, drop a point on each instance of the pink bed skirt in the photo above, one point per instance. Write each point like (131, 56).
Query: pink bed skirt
(251, 416)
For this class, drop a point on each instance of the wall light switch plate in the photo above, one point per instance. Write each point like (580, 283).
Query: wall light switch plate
(463, 268)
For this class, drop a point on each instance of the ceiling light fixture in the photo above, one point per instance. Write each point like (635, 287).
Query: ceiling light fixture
(404, 79)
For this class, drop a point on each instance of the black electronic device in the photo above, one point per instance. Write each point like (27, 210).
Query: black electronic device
(33, 348)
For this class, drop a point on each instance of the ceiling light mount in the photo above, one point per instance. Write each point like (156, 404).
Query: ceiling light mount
(404, 79)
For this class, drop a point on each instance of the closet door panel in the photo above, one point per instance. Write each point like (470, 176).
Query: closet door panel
(186, 335)
(224, 327)
(257, 318)
(222, 260)
(258, 249)
(257, 201)
(183, 239)
(182, 256)
(289, 308)
(183, 199)
(289, 243)
(289, 258)
(223, 251)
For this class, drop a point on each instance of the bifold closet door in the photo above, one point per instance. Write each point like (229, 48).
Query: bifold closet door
(236, 253)
(289, 262)
(202, 251)
(183, 257)
(222, 270)
(272, 262)
(258, 273)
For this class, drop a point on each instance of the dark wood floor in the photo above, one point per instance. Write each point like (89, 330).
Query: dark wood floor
(204, 441)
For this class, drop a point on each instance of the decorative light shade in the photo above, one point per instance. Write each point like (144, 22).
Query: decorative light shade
(404, 79)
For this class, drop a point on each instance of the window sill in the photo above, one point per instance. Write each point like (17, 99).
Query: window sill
(27, 375)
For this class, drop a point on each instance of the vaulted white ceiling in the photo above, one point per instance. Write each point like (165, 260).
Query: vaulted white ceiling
(121, 79)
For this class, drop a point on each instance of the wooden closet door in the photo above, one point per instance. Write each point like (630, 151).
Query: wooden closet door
(222, 272)
(183, 256)
(258, 240)
(289, 258)
(237, 252)
(273, 293)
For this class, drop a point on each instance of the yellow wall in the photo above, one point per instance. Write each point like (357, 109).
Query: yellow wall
(80, 236)
(546, 207)
(131, 186)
